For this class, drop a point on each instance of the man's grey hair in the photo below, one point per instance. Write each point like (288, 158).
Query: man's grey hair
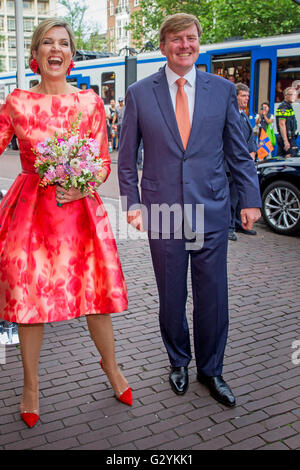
(241, 87)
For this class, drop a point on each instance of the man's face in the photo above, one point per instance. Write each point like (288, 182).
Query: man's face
(181, 49)
(243, 98)
(290, 97)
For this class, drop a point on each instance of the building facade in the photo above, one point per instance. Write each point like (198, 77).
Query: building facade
(118, 17)
(34, 11)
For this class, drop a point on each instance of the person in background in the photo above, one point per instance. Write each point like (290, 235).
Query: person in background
(279, 92)
(287, 125)
(264, 118)
(242, 92)
(118, 118)
(296, 85)
(112, 128)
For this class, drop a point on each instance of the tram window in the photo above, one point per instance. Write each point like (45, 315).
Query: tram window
(262, 76)
(33, 83)
(288, 70)
(201, 67)
(235, 68)
(72, 81)
(108, 85)
(95, 88)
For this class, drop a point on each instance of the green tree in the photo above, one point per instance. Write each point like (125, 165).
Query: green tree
(88, 36)
(220, 19)
(146, 21)
(75, 11)
(96, 41)
(255, 18)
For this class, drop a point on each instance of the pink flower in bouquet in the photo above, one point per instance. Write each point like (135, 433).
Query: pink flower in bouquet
(50, 174)
(72, 141)
(41, 148)
(94, 146)
(60, 171)
(83, 152)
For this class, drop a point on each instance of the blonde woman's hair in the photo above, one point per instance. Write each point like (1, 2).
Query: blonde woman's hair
(44, 27)
(176, 23)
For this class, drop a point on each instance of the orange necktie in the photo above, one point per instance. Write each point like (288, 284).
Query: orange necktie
(182, 112)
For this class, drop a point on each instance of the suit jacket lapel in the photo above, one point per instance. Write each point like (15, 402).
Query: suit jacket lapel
(201, 105)
(162, 93)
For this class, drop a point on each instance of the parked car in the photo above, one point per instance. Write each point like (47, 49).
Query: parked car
(279, 180)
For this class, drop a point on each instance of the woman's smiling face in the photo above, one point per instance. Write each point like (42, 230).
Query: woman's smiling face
(54, 53)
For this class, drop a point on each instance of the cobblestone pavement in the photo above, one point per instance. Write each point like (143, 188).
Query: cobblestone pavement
(77, 407)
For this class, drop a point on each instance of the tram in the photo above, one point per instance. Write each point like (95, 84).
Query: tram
(267, 65)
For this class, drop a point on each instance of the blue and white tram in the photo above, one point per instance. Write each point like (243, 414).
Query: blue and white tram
(267, 65)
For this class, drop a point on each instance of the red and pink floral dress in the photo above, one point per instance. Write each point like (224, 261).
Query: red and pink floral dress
(56, 263)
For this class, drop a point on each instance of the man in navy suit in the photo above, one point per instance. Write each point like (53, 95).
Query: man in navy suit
(187, 177)
(242, 92)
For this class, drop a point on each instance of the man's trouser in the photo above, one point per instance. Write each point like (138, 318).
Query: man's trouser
(293, 150)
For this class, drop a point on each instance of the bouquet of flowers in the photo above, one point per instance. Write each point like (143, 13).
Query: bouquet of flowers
(69, 161)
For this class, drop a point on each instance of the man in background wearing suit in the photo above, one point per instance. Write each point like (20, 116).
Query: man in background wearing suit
(242, 92)
(189, 124)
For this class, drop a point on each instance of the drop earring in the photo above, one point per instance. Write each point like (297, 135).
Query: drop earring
(71, 66)
(34, 65)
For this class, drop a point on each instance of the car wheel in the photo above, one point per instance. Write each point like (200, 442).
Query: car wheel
(281, 207)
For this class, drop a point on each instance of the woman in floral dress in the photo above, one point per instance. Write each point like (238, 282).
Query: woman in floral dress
(56, 263)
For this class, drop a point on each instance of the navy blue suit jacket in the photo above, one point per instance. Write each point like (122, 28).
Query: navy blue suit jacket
(196, 175)
(248, 132)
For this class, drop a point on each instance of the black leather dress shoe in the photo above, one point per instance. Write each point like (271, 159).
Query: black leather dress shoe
(246, 232)
(179, 380)
(232, 236)
(218, 389)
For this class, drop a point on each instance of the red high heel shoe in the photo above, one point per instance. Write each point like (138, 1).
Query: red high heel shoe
(126, 396)
(29, 417)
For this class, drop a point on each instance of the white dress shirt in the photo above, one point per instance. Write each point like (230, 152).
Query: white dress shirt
(189, 88)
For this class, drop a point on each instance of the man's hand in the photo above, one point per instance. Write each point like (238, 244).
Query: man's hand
(249, 216)
(287, 146)
(134, 218)
(252, 155)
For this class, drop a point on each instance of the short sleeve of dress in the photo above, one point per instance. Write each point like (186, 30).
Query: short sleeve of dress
(99, 132)
(6, 128)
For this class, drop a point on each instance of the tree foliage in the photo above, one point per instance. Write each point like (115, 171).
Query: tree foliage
(220, 19)
(87, 34)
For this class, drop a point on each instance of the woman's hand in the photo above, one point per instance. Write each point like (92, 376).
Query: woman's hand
(63, 195)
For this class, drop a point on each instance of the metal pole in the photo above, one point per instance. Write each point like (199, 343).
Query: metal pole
(9, 330)
(20, 44)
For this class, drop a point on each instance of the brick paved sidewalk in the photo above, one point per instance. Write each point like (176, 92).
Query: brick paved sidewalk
(78, 410)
